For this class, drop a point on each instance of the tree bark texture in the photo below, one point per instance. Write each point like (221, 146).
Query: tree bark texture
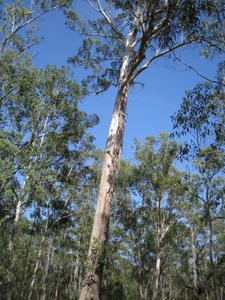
(99, 237)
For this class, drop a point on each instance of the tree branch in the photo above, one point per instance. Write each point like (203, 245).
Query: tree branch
(190, 67)
(17, 28)
(5, 96)
(109, 21)
(6, 219)
(92, 5)
(160, 54)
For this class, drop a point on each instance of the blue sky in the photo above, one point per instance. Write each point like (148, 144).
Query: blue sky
(149, 107)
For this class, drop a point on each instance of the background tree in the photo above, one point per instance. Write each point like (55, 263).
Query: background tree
(47, 132)
(201, 116)
(153, 211)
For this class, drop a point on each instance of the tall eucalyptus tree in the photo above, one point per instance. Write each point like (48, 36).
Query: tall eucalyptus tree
(122, 39)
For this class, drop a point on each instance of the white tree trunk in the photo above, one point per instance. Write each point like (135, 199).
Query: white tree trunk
(49, 254)
(21, 196)
(194, 257)
(157, 275)
(99, 237)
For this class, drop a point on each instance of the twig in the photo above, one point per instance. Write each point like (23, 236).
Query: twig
(196, 71)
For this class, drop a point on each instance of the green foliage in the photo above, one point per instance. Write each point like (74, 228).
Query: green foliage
(150, 197)
(201, 114)
(201, 117)
(49, 164)
(160, 26)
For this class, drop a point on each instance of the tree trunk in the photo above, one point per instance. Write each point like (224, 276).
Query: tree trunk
(142, 294)
(70, 287)
(194, 256)
(216, 292)
(13, 234)
(206, 256)
(99, 237)
(157, 275)
(162, 288)
(158, 232)
(60, 268)
(140, 289)
(130, 62)
(170, 290)
(75, 281)
(221, 293)
(76, 273)
(26, 264)
(38, 258)
(16, 220)
(49, 254)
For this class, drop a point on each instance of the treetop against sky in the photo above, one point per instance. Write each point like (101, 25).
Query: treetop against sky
(150, 105)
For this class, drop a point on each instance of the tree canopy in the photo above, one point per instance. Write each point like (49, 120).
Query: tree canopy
(80, 223)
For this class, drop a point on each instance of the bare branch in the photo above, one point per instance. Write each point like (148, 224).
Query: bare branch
(92, 5)
(5, 96)
(190, 67)
(160, 54)
(18, 28)
(92, 34)
(109, 21)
